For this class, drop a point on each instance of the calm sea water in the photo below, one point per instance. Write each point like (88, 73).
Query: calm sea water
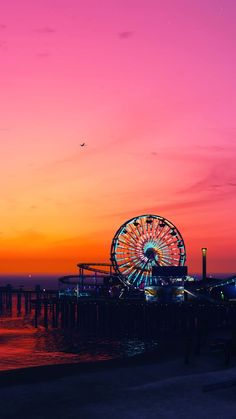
(22, 345)
(29, 281)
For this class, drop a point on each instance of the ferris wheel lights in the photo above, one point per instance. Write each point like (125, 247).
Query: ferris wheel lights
(144, 247)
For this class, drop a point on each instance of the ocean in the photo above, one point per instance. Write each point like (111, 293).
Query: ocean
(22, 345)
(30, 281)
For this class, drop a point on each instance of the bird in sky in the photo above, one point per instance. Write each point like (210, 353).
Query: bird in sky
(82, 145)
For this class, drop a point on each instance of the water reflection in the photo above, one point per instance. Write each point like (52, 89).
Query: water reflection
(21, 345)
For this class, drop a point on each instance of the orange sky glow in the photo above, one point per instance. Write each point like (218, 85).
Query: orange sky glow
(150, 87)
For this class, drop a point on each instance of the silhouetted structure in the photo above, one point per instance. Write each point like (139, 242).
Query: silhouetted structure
(204, 255)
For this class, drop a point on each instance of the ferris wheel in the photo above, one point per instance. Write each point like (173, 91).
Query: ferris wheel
(142, 243)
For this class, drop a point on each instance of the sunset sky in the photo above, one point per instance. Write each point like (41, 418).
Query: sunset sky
(150, 86)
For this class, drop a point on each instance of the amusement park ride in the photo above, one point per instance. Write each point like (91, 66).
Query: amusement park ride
(147, 258)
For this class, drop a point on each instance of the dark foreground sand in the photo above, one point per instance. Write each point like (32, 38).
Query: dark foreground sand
(151, 390)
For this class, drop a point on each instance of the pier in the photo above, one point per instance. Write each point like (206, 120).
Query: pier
(111, 316)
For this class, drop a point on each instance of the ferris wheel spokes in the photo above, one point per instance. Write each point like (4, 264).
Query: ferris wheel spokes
(142, 243)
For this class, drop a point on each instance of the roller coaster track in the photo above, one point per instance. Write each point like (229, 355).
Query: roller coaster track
(92, 267)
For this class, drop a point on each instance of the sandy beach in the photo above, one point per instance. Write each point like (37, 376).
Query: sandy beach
(113, 390)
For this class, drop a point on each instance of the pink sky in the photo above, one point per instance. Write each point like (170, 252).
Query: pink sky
(150, 86)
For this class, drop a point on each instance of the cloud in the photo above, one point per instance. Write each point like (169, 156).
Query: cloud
(210, 189)
(220, 181)
(226, 134)
(212, 148)
(43, 54)
(175, 205)
(27, 237)
(31, 235)
(125, 34)
(3, 44)
(45, 30)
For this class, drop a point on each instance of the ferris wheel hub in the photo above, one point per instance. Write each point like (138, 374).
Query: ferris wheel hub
(151, 253)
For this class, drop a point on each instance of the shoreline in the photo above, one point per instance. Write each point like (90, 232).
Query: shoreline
(32, 374)
(157, 358)
(170, 389)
